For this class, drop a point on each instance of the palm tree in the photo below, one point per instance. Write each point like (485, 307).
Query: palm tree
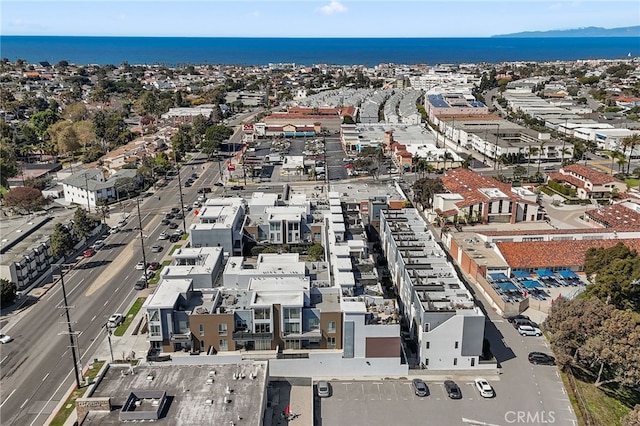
(564, 151)
(533, 150)
(541, 147)
(630, 142)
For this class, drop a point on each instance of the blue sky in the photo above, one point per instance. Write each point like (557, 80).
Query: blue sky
(307, 18)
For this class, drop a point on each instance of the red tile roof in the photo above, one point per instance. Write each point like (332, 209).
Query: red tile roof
(468, 184)
(617, 217)
(596, 177)
(551, 254)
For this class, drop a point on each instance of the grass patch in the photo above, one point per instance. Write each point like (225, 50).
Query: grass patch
(604, 406)
(156, 277)
(128, 319)
(174, 248)
(70, 404)
(632, 182)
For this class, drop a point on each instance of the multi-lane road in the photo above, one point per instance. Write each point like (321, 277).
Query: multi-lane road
(36, 369)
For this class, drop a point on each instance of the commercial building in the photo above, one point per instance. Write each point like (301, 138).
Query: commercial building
(218, 223)
(589, 183)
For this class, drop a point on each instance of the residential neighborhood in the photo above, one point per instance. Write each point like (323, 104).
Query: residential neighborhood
(265, 232)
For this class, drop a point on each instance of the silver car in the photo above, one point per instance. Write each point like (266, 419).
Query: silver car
(323, 389)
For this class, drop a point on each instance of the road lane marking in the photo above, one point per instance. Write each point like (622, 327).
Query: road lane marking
(7, 398)
(93, 319)
(24, 403)
(45, 377)
(1, 361)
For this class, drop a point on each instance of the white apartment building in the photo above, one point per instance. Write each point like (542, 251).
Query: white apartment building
(200, 265)
(439, 310)
(220, 225)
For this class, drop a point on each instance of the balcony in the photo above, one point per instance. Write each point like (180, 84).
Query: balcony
(181, 337)
(248, 335)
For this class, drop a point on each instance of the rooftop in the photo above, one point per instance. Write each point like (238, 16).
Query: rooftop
(196, 394)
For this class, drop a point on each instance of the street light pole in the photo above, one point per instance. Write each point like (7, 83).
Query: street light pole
(144, 257)
(108, 330)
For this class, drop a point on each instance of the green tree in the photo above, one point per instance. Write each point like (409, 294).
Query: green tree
(315, 253)
(425, 189)
(42, 120)
(8, 163)
(614, 274)
(630, 142)
(24, 197)
(7, 292)
(82, 223)
(61, 241)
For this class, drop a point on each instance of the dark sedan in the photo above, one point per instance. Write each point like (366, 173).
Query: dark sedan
(541, 358)
(453, 390)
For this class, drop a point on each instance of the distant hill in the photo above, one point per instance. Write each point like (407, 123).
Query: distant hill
(580, 32)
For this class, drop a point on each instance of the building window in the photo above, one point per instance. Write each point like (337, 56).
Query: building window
(490, 207)
(291, 327)
(154, 316)
(291, 313)
(222, 329)
(456, 345)
(262, 313)
(154, 331)
(473, 362)
(331, 342)
(500, 206)
(263, 328)
(426, 362)
(455, 361)
(314, 324)
(223, 345)
(428, 345)
(331, 327)
(202, 329)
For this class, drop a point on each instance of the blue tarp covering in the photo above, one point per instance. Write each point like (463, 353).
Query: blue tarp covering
(545, 273)
(508, 286)
(521, 274)
(568, 274)
(499, 277)
(531, 284)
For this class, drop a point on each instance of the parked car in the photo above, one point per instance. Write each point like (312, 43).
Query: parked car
(196, 204)
(420, 387)
(485, 389)
(187, 184)
(453, 390)
(174, 238)
(518, 317)
(218, 184)
(324, 390)
(156, 248)
(169, 216)
(98, 245)
(115, 320)
(140, 266)
(5, 338)
(527, 330)
(88, 252)
(154, 266)
(541, 358)
(175, 210)
(517, 323)
(179, 216)
(204, 190)
(140, 284)
(237, 187)
(114, 230)
(163, 236)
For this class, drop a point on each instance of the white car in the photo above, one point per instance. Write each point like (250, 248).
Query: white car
(527, 330)
(163, 236)
(115, 320)
(114, 230)
(98, 245)
(485, 389)
(5, 338)
(140, 265)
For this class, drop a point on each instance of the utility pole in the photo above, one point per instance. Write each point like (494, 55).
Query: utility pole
(184, 222)
(144, 257)
(86, 185)
(66, 307)
(495, 151)
(109, 332)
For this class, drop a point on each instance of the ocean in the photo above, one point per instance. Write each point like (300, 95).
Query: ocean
(170, 51)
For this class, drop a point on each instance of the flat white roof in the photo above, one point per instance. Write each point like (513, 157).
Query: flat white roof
(167, 292)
